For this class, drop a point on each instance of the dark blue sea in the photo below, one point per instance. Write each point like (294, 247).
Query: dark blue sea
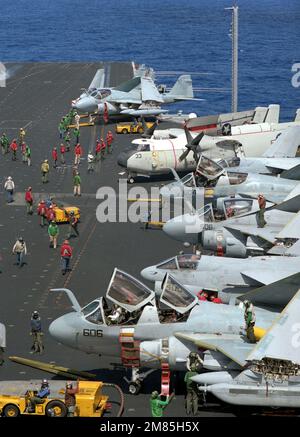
(169, 35)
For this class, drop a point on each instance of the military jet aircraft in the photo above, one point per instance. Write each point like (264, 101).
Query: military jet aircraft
(224, 275)
(147, 157)
(270, 375)
(232, 227)
(136, 97)
(146, 332)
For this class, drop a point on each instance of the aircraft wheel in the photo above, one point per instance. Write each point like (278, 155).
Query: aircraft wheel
(56, 409)
(134, 388)
(11, 411)
(124, 131)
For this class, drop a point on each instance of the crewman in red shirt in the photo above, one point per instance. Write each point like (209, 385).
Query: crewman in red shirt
(109, 140)
(78, 153)
(66, 253)
(14, 148)
(54, 156)
(29, 200)
(98, 150)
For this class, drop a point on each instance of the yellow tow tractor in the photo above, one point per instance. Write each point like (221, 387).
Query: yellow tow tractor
(15, 396)
(62, 214)
(132, 128)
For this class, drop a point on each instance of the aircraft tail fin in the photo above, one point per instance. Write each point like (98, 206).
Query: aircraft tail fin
(129, 85)
(276, 295)
(297, 115)
(272, 115)
(98, 80)
(259, 114)
(282, 340)
(286, 145)
(183, 88)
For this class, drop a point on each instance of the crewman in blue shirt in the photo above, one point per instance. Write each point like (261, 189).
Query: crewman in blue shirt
(40, 397)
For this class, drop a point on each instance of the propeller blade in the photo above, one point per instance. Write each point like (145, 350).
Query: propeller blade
(184, 154)
(197, 139)
(229, 144)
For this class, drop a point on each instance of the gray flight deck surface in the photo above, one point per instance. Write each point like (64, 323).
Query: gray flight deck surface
(36, 97)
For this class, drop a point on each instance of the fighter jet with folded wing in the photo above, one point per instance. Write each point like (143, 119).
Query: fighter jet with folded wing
(136, 97)
(233, 227)
(149, 332)
(270, 375)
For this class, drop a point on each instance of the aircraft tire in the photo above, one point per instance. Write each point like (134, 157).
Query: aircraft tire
(134, 388)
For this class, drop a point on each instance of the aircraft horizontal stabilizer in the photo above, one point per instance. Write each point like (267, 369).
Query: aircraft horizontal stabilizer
(293, 173)
(291, 229)
(252, 231)
(277, 293)
(290, 204)
(232, 346)
(282, 340)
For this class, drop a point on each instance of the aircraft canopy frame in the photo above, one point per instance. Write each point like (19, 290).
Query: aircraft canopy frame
(174, 295)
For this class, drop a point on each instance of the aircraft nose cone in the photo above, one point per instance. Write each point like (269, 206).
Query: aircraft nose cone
(124, 156)
(151, 274)
(182, 229)
(63, 329)
(86, 104)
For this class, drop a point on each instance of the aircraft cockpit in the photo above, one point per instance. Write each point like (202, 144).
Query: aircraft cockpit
(176, 302)
(189, 180)
(179, 262)
(236, 206)
(231, 162)
(207, 172)
(99, 93)
(127, 298)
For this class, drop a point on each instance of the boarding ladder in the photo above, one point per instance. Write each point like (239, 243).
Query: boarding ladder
(165, 368)
(130, 348)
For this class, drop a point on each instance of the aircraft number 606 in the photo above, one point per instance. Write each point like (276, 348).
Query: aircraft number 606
(93, 332)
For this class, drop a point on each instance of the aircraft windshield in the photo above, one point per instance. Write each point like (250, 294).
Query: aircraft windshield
(206, 213)
(188, 180)
(127, 291)
(176, 296)
(143, 148)
(89, 308)
(170, 264)
(188, 261)
(103, 93)
(237, 178)
(233, 162)
(208, 168)
(234, 207)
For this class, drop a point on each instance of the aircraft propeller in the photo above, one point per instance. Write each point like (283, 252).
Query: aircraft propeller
(192, 145)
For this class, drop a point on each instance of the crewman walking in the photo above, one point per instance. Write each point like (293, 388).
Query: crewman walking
(261, 212)
(45, 171)
(53, 232)
(98, 150)
(73, 223)
(91, 161)
(41, 210)
(9, 187)
(14, 148)
(28, 155)
(29, 200)
(36, 332)
(50, 214)
(78, 153)
(76, 133)
(66, 253)
(54, 157)
(23, 151)
(4, 141)
(67, 139)
(22, 134)
(62, 154)
(77, 184)
(20, 250)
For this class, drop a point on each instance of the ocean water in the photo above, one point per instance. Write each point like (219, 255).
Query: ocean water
(168, 35)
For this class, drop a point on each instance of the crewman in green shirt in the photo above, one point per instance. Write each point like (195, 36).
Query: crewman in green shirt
(4, 141)
(157, 405)
(77, 184)
(192, 400)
